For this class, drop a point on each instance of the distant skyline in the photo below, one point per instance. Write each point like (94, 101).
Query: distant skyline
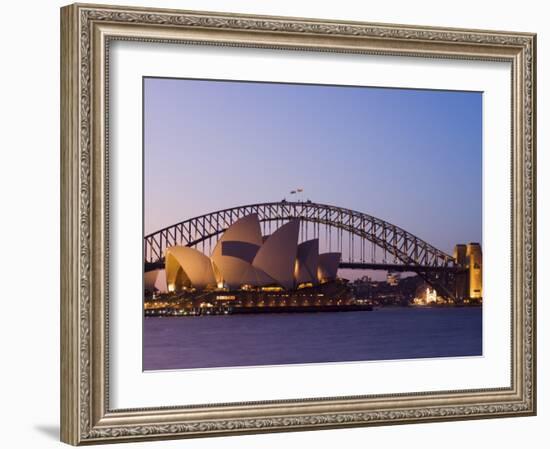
(410, 157)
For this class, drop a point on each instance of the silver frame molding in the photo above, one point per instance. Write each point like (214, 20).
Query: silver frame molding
(86, 31)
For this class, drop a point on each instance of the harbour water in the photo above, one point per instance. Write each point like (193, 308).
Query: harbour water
(275, 339)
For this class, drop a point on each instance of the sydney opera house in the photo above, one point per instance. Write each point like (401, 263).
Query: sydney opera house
(244, 259)
(253, 267)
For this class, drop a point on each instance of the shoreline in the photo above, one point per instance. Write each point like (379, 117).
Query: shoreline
(255, 310)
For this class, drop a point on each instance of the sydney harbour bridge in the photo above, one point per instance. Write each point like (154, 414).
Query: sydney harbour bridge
(364, 241)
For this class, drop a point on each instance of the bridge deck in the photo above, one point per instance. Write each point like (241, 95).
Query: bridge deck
(149, 266)
(396, 267)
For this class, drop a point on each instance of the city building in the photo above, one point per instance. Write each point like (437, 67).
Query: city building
(244, 259)
(393, 278)
(431, 295)
(427, 296)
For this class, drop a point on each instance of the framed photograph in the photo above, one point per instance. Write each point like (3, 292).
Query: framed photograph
(280, 224)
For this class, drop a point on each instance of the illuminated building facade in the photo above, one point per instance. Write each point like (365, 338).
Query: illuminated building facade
(393, 278)
(475, 266)
(243, 259)
(431, 295)
(469, 283)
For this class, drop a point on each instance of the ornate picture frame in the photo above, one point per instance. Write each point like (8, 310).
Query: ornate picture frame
(86, 34)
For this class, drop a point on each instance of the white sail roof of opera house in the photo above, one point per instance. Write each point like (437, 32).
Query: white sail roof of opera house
(233, 255)
(328, 266)
(188, 267)
(307, 262)
(242, 256)
(150, 279)
(276, 257)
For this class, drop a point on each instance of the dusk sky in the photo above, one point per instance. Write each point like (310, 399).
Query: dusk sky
(411, 157)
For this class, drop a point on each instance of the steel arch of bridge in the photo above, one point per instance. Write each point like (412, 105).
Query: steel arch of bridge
(402, 245)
